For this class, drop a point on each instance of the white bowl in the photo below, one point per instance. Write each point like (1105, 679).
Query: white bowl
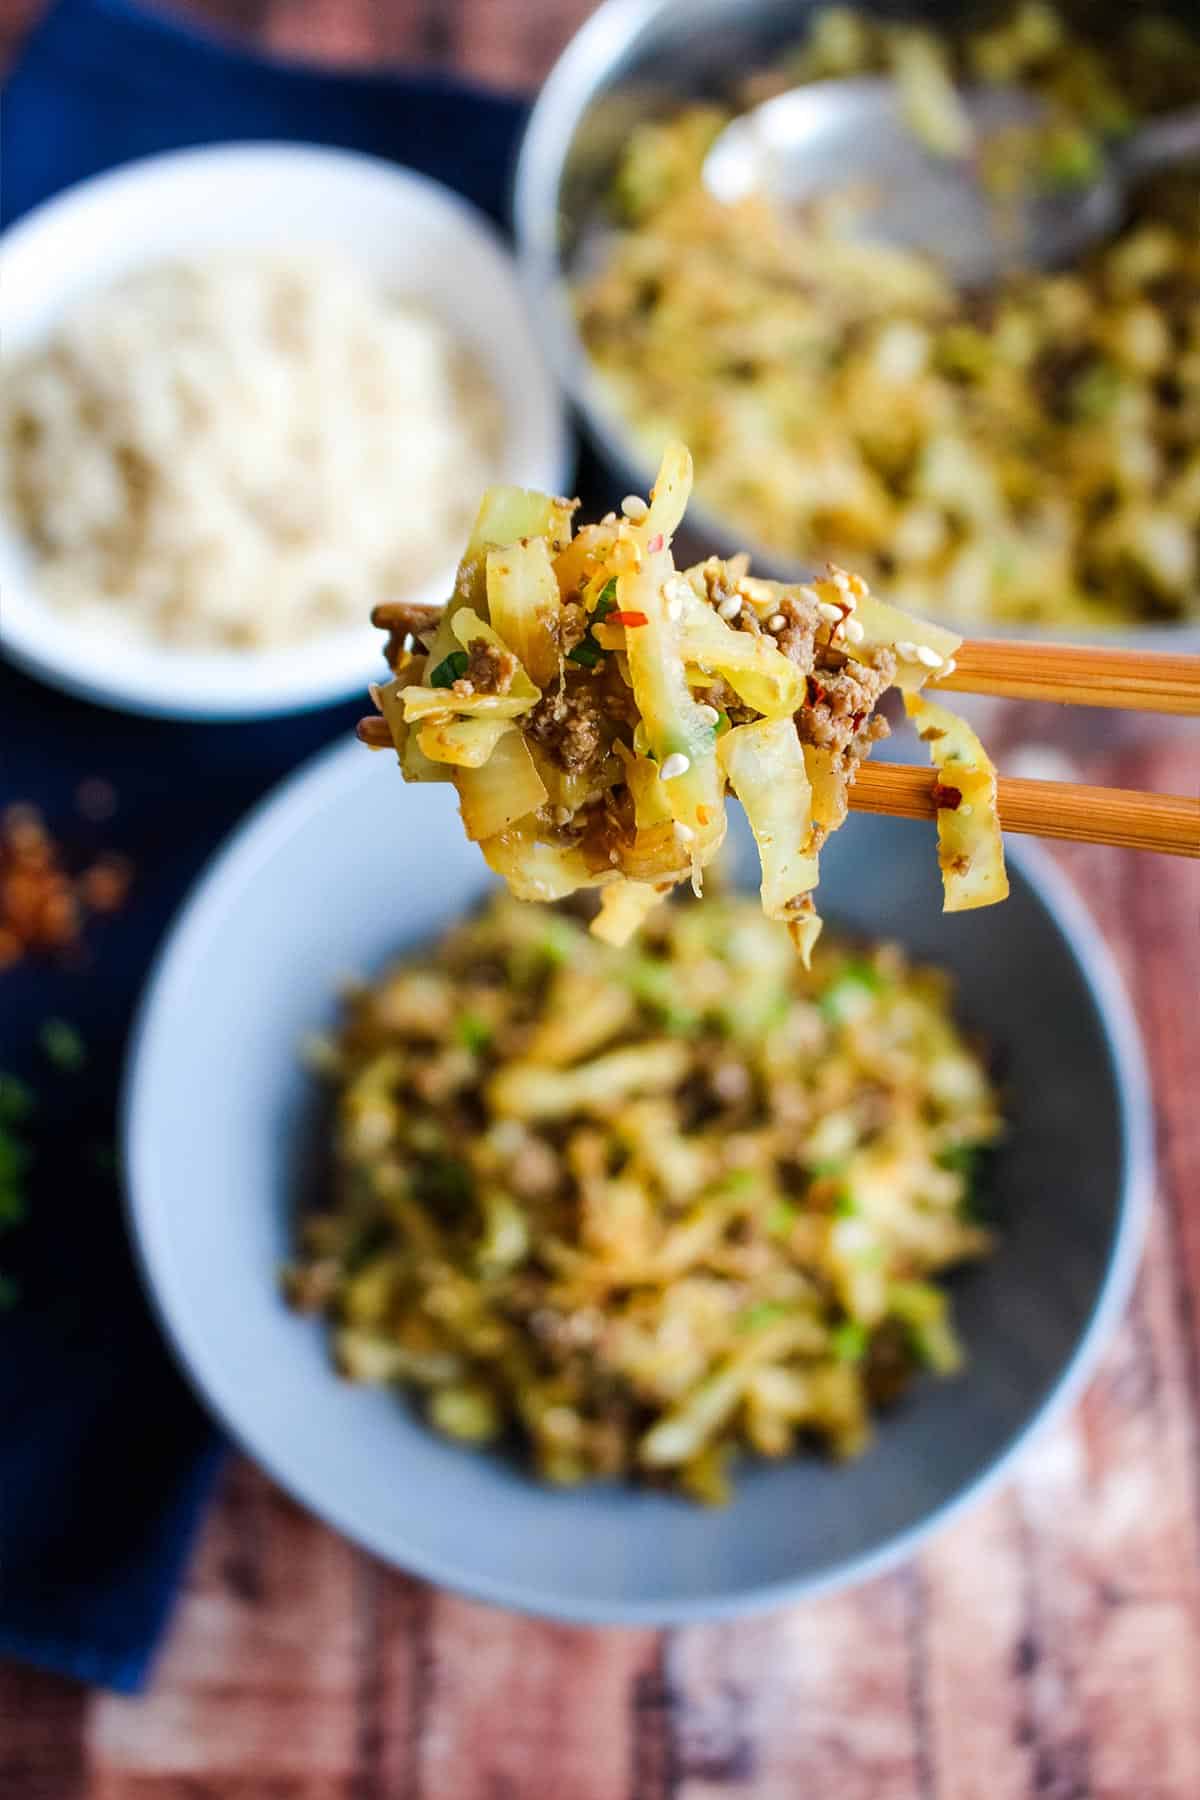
(416, 237)
(219, 1148)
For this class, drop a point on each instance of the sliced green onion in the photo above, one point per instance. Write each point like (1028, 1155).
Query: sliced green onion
(450, 670)
(848, 1341)
(846, 994)
(587, 653)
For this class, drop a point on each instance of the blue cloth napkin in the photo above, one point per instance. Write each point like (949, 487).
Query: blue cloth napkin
(105, 1457)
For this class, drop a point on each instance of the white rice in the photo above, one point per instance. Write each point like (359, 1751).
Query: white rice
(244, 451)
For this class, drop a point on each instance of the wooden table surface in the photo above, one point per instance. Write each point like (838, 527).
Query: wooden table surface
(1048, 1644)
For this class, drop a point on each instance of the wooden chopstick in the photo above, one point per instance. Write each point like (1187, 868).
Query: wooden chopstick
(1124, 817)
(1059, 809)
(1077, 675)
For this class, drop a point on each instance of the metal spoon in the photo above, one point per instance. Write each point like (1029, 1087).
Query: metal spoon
(833, 135)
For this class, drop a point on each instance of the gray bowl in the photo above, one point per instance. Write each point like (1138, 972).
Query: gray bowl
(641, 59)
(341, 869)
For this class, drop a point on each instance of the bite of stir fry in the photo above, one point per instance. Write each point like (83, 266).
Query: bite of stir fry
(593, 706)
(642, 1209)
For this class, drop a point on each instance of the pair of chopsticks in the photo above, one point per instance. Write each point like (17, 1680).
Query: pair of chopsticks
(1131, 680)
(1128, 680)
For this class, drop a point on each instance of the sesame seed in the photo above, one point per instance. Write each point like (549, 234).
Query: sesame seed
(853, 630)
(929, 657)
(966, 809)
(840, 580)
(676, 764)
(809, 594)
(709, 714)
(614, 857)
(563, 815)
(831, 614)
(949, 666)
(609, 519)
(776, 622)
(634, 507)
(907, 650)
(674, 609)
(729, 609)
(683, 832)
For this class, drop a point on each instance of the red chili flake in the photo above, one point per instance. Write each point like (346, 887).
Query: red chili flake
(43, 908)
(946, 798)
(655, 543)
(856, 720)
(816, 693)
(627, 618)
(105, 885)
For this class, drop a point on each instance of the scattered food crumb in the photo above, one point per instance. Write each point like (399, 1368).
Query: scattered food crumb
(96, 799)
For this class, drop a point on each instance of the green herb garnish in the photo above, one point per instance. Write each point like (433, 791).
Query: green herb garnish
(781, 1218)
(559, 942)
(64, 1045)
(1095, 393)
(845, 1206)
(473, 1031)
(848, 1341)
(451, 669)
(961, 1158)
(16, 1100)
(653, 983)
(849, 991)
(766, 1312)
(587, 653)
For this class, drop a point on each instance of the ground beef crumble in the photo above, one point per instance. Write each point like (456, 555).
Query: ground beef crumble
(798, 638)
(574, 623)
(490, 670)
(841, 702)
(569, 725)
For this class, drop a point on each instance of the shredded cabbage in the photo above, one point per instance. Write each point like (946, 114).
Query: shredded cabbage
(970, 846)
(593, 705)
